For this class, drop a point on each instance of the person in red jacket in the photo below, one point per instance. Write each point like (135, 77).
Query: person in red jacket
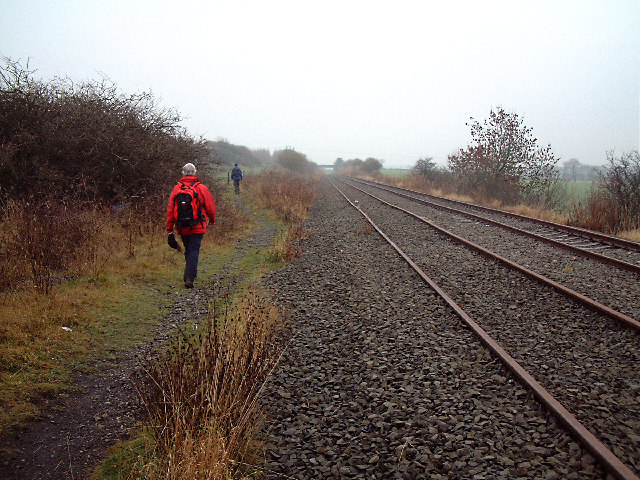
(191, 235)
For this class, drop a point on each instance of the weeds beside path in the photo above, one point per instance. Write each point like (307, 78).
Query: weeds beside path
(76, 429)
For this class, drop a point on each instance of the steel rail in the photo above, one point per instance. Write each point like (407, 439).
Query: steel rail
(573, 425)
(582, 299)
(621, 264)
(583, 232)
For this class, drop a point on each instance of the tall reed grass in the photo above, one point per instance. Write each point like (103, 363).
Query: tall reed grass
(201, 396)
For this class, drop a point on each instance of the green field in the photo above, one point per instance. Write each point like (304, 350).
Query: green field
(578, 191)
(395, 172)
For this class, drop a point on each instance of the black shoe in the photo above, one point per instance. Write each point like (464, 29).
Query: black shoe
(188, 283)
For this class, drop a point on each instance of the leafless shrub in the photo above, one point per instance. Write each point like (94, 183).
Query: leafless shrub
(428, 176)
(614, 205)
(87, 140)
(504, 162)
(201, 395)
(75, 161)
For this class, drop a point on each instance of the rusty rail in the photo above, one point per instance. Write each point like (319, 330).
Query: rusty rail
(582, 299)
(621, 264)
(573, 425)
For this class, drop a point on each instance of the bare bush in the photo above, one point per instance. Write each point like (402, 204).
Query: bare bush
(201, 395)
(621, 182)
(504, 162)
(614, 205)
(429, 176)
(371, 165)
(75, 161)
(87, 140)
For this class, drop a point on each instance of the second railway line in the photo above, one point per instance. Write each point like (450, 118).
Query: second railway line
(601, 246)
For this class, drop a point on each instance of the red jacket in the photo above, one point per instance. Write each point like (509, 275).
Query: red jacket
(208, 207)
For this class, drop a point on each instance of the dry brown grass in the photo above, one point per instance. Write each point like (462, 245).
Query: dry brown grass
(289, 195)
(44, 333)
(231, 221)
(83, 269)
(288, 247)
(599, 211)
(631, 235)
(201, 396)
(418, 183)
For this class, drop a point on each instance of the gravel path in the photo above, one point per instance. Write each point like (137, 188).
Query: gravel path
(380, 380)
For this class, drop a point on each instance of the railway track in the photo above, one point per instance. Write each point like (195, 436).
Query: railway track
(608, 249)
(381, 380)
(589, 439)
(612, 287)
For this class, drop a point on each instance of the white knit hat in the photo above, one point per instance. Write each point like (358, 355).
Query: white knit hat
(189, 169)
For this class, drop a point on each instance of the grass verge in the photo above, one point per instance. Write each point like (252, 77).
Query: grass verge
(45, 337)
(203, 421)
(98, 302)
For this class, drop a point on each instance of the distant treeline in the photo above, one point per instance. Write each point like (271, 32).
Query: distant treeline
(574, 171)
(223, 152)
(90, 142)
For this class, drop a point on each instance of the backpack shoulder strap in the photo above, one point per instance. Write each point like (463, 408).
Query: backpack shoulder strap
(196, 195)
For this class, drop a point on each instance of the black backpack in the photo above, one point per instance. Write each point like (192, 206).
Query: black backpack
(188, 208)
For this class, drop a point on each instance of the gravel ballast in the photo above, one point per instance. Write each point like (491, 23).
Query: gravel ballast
(616, 288)
(380, 380)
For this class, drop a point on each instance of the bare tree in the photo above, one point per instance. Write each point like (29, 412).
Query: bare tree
(571, 168)
(505, 162)
(371, 165)
(621, 182)
(294, 161)
(425, 167)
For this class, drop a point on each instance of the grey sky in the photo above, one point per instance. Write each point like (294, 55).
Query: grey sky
(396, 80)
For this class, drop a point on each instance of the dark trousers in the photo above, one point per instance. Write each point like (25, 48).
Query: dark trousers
(191, 253)
(236, 184)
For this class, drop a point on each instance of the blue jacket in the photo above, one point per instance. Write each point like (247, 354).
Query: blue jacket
(236, 173)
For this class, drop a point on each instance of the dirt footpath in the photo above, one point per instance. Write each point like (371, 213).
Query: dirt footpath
(75, 432)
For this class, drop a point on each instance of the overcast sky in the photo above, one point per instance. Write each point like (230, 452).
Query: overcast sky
(395, 80)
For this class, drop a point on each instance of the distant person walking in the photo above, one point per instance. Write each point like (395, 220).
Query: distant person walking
(236, 175)
(190, 206)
